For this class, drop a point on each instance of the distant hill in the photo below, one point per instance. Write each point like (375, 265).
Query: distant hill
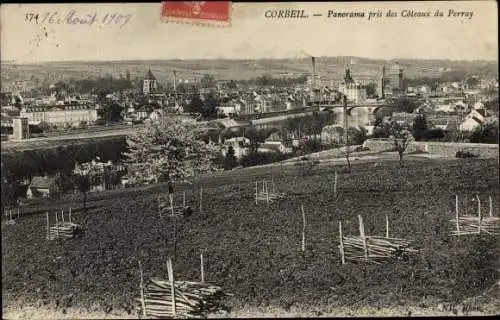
(327, 67)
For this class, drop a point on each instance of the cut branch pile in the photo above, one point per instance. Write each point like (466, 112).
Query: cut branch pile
(265, 195)
(166, 206)
(468, 224)
(375, 249)
(472, 225)
(62, 229)
(189, 299)
(378, 248)
(8, 216)
(192, 299)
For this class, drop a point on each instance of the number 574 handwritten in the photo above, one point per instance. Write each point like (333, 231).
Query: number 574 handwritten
(31, 16)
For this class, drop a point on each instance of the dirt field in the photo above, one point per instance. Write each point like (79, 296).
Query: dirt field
(253, 251)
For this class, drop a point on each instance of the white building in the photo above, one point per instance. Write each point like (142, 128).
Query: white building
(239, 144)
(149, 85)
(474, 119)
(60, 115)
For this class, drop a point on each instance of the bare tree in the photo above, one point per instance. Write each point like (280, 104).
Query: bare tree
(401, 137)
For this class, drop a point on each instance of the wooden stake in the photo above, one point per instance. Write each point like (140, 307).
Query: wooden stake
(466, 205)
(175, 237)
(171, 198)
(184, 199)
(386, 226)
(201, 197)
(57, 227)
(69, 214)
(456, 214)
(10, 213)
(143, 303)
(335, 186)
(172, 287)
(202, 268)
(363, 236)
(479, 214)
(18, 210)
(256, 192)
(158, 199)
(62, 216)
(303, 228)
(491, 206)
(267, 194)
(48, 226)
(341, 236)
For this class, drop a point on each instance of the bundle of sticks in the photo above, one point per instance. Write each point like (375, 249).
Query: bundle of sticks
(374, 249)
(377, 248)
(472, 225)
(192, 299)
(8, 216)
(166, 206)
(468, 224)
(62, 229)
(265, 195)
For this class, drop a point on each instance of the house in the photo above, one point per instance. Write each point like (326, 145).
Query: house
(470, 124)
(239, 144)
(44, 187)
(274, 143)
(474, 119)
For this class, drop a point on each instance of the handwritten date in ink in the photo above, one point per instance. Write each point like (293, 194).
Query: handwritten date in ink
(74, 18)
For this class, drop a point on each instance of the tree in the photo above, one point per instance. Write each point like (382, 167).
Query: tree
(207, 81)
(401, 137)
(169, 150)
(420, 127)
(404, 105)
(82, 182)
(230, 161)
(371, 90)
(195, 105)
(112, 112)
(210, 105)
(487, 133)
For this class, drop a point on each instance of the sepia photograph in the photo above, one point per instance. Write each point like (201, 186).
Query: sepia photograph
(226, 159)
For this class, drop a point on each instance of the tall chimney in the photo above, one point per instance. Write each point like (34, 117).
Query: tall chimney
(401, 79)
(383, 82)
(313, 80)
(175, 81)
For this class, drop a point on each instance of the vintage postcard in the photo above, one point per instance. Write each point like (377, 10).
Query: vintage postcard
(187, 159)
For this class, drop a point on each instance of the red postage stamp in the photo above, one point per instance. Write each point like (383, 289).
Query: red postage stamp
(216, 13)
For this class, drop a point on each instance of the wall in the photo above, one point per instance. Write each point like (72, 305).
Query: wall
(448, 149)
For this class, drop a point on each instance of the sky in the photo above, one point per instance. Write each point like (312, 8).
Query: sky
(252, 35)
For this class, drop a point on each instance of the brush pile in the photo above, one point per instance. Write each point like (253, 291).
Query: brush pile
(378, 249)
(265, 194)
(473, 225)
(166, 207)
(64, 230)
(192, 299)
